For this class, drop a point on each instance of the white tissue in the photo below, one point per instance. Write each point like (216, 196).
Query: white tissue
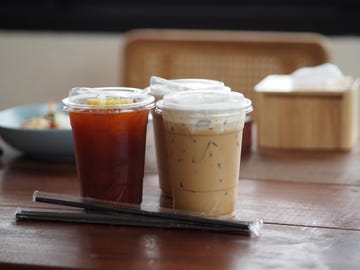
(326, 77)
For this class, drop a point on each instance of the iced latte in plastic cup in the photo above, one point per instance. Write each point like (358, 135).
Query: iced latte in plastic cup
(109, 129)
(203, 136)
(159, 87)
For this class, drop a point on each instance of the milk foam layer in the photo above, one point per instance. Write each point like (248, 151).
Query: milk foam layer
(202, 110)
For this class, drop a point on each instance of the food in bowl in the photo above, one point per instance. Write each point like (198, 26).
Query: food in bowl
(51, 120)
(48, 144)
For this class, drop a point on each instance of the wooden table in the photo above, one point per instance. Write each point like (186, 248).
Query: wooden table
(309, 202)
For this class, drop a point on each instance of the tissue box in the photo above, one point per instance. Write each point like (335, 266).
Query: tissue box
(324, 119)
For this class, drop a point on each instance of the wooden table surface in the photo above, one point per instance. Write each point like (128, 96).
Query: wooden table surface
(309, 202)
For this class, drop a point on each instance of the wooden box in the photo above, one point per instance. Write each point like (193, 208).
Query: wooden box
(306, 119)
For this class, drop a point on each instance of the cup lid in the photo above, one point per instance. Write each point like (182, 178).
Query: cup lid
(205, 102)
(115, 98)
(160, 86)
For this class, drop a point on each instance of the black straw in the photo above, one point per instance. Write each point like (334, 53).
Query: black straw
(106, 212)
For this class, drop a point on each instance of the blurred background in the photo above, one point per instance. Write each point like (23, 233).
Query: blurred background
(50, 46)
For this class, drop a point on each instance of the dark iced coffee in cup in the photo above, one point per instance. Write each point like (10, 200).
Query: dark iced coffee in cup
(109, 130)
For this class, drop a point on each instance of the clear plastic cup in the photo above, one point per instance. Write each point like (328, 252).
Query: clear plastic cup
(158, 88)
(109, 129)
(203, 137)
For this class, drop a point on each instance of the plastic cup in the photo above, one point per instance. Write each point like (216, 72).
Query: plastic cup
(203, 137)
(109, 129)
(158, 88)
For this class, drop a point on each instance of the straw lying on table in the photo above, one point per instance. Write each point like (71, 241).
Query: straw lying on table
(104, 212)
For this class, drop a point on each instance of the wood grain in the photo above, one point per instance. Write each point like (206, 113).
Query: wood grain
(109, 247)
(306, 166)
(307, 225)
(325, 120)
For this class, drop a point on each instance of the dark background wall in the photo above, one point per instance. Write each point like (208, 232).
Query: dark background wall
(330, 17)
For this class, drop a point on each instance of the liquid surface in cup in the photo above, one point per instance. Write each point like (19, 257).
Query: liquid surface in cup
(110, 154)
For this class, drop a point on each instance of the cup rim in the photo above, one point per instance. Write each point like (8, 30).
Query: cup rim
(76, 101)
(236, 103)
(163, 86)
